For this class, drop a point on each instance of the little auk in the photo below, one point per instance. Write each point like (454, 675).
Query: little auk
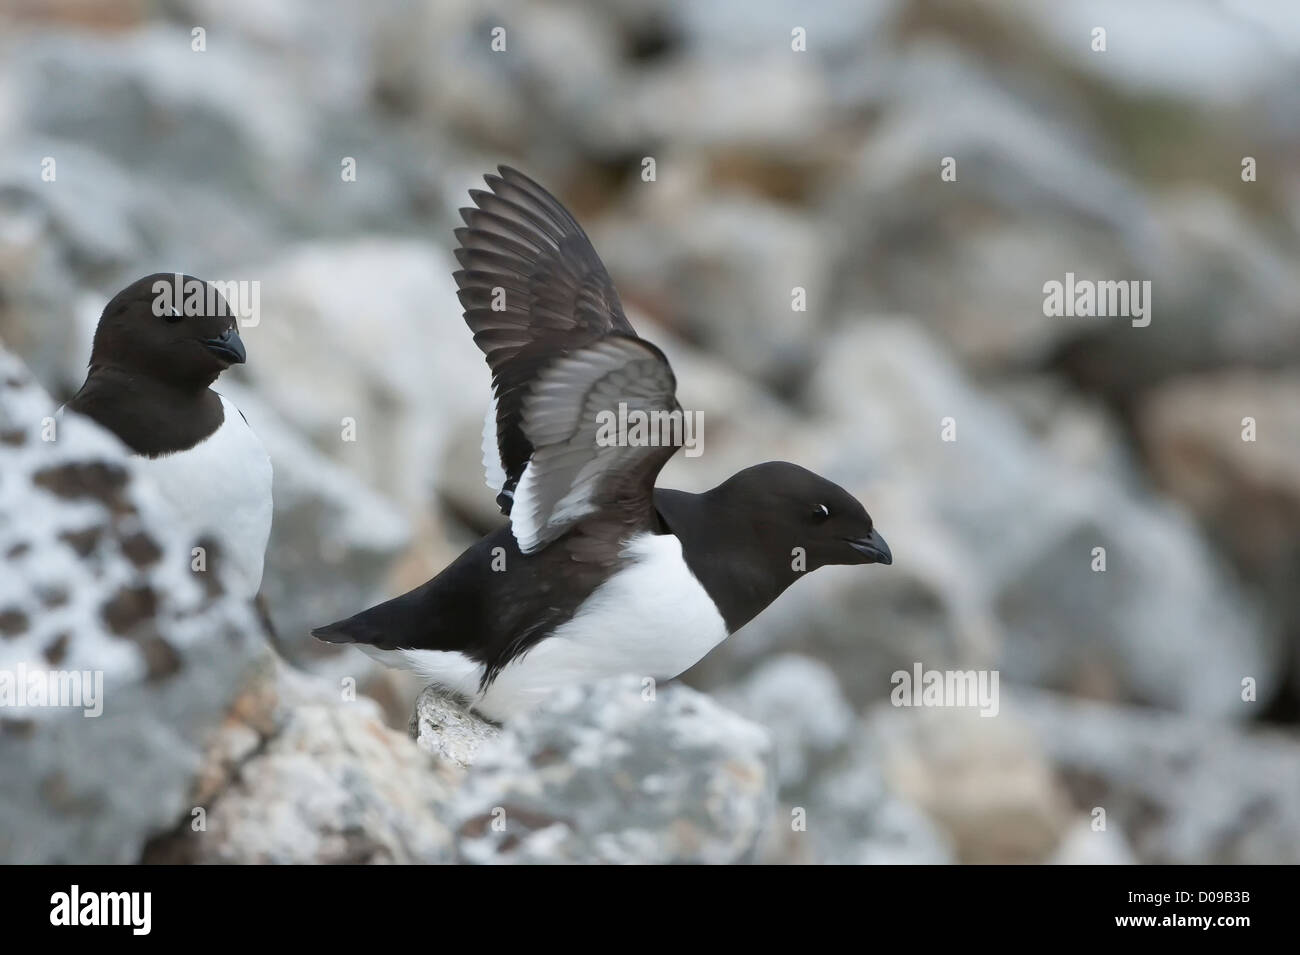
(598, 573)
(160, 344)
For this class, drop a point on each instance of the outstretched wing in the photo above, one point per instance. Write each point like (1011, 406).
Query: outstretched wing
(584, 460)
(533, 289)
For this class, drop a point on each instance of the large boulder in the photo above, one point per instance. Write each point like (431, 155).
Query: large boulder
(301, 773)
(618, 773)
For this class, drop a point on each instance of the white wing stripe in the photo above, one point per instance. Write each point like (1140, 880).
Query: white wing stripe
(493, 471)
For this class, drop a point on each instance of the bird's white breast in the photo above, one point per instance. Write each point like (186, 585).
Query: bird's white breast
(651, 619)
(222, 486)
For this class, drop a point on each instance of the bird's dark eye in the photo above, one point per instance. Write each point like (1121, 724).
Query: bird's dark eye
(172, 315)
(821, 512)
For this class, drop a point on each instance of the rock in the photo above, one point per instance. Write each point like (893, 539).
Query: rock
(1012, 521)
(835, 805)
(379, 321)
(53, 241)
(601, 774)
(1032, 199)
(1084, 845)
(98, 584)
(300, 776)
(1181, 790)
(984, 781)
(799, 700)
(724, 269)
(1223, 295)
(1216, 55)
(280, 159)
(1194, 432)
(854, 816)
(444, 726)
(1246, 492)
(694, 107)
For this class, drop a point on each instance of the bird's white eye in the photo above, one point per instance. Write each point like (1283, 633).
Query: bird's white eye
(823, 510)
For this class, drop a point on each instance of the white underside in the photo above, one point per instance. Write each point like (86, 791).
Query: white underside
(222, 486)
(651, 619)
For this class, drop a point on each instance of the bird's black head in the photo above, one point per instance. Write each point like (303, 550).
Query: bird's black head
(171, 328)
(794, 508)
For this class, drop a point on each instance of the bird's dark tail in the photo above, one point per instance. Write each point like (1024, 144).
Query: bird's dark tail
(355, 629)
(334, 633)
(394, 624)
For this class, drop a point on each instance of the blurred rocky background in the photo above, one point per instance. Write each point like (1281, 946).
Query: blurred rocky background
(1123, 690)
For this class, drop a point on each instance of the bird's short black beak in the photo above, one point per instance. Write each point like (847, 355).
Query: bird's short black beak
(229, 347)
(874, 547)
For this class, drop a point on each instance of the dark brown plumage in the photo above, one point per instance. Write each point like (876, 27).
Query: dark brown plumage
(150, 370)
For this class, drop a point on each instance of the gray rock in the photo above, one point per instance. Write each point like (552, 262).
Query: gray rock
(1084, 845)
(362, 350)
(1205, 52)
(835, 804)
(98, 581)
(1033, 198)
(855, 816)
(1223, 295)
(444, 726)
(603, 774)
(55, 238)
(799, 700)
(726, 267)
(1012, 520)
(1181, 790)
(299, 775)
(984, 781)
(1247, 492)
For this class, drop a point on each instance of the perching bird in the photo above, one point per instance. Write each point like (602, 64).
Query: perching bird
(599, 573)
(160, 344)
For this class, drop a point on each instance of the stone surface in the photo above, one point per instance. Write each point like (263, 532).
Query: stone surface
(984, 781)
(1242, 478)
(835, 805)
(444, 726)
(1181, 791)
(1227, 446)
(854, 815)
(1084, 845)
(299, 775)
(1015, 522)
(602, 774)
(798, 699)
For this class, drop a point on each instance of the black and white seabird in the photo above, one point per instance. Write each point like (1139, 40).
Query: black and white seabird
(160, 344)
(599, 572)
